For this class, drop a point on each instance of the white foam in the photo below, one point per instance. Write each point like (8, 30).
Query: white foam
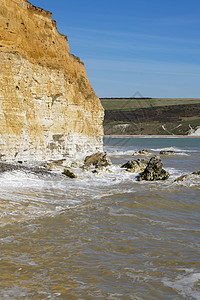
(184, 284)
(189, 181)
(26, 196)
(122, 153)
(175, 149)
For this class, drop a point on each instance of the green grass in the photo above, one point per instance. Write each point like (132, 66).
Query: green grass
(132, 104)
(154, 127)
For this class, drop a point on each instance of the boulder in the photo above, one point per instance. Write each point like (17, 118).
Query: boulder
(142, 152)
(69, 173)
(186, 176)
(168, 152)
(181, 178)
(99, 159)
(154, 171)
(134, 166)
(57, 165)
(196, 173)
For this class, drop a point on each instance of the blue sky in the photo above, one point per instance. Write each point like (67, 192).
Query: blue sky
(146, 46)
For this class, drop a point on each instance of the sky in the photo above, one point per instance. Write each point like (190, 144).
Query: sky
(151, 47)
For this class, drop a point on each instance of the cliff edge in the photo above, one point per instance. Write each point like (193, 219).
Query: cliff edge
(48, 108)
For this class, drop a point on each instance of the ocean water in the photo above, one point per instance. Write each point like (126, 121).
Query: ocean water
(106, 235)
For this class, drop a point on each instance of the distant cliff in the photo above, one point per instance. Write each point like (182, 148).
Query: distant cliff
(48, 108)
(151, 116)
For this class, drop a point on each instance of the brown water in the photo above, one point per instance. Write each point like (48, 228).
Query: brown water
(103, 236)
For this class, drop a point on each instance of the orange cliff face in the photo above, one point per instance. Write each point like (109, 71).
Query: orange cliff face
(48, 108)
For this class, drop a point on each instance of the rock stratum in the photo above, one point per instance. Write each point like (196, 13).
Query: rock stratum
(48, 108)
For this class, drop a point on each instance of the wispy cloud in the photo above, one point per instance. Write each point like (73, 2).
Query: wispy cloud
(176, 20)
(76, 31)
(144, 66)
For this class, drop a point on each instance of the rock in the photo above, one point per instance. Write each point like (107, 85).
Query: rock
(10, 167)
(76, 164)
(142, 152)
(99, 159)
(186, 176)
(181, 178)
(154, 171)
(134, 166)
(168, 152)
(56, 165)
(196, 173)
(69, 173)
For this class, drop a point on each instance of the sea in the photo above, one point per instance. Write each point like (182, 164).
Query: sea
(104, 235)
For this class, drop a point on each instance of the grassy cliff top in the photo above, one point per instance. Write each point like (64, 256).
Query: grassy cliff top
(135, 103)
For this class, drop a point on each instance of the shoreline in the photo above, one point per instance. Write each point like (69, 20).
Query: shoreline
(151, 136)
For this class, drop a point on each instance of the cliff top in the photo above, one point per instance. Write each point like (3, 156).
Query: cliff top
(33, 34)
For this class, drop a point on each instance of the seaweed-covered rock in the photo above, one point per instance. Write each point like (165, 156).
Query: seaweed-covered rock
(142, 152)
(134, 166)
(181, 178)
(69, 173)
(196, 173)
(186, 176)
(154, 171)
(99, 159)
(166, 152)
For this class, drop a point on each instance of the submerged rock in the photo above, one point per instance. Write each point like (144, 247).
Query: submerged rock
(181, 178)
(186, 176)
(69, 173)
(154, 171)
(168, 152)
(99, 159)
(134, 166)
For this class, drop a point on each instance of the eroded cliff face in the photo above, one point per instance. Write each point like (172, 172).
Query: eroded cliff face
(48, 108)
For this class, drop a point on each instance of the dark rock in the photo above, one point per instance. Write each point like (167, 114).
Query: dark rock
(142, 152)
(164, 152)
(196, 173)
(69, 173)
(186, 176)
(97, 160)
(10, 167)
(181, 178)
(154, 171)
(134, 166)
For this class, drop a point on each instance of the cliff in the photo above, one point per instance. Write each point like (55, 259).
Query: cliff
(48, 108)
(151, 116)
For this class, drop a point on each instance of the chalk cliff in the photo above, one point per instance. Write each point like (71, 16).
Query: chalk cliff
(48, 108)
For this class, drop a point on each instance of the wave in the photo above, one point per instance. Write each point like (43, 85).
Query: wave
(121, 153)
(178, 151)
(175, 149)
(26, 195)
(184, 284)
